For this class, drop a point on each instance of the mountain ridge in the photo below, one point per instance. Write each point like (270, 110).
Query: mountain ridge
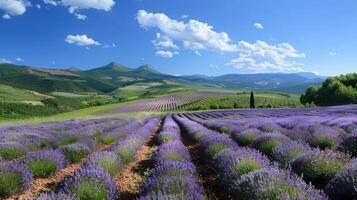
(110, 77)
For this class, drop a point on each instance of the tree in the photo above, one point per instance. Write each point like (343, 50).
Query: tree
(252, 102)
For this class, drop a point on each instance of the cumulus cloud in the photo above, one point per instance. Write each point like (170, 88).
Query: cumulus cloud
(193, 35)
(19, 59)
(164, 42)
(75, 5)
(263, 57)
(3, 60)
(81, 40)
(258, 26)
(334, 54)
(13, 7)
(166, 54)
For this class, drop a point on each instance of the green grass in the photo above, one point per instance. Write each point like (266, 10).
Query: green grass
(68, 94)
(241, 100)
(11, 94)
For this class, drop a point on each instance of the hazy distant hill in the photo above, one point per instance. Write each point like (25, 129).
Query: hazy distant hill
(110, 77)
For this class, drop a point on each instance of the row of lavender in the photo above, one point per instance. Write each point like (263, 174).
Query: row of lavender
(246, 173)
(17, 141)
(306, 144)
(17, 175)
(95, 179)
(173, 175)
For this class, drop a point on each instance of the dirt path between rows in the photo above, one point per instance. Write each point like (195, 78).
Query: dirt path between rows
(133, 175)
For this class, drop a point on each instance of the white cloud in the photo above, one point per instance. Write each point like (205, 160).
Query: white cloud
(334, 54)
(75, 5)
(263, 57)
(81, 40)
(19, 59)
(163, 42)
(80, 16)
(193, 35)
(3, 60)
(166, 54)
(258, 26)
(198, 53)
(184, 16)
(13, 7)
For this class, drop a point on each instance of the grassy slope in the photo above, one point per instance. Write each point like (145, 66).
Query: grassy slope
(242, 101)
(11, 94)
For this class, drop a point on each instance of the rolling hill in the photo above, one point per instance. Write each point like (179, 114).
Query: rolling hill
(111, 77)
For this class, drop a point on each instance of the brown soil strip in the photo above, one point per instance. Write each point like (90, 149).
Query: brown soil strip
(207, 176)
(133, 175)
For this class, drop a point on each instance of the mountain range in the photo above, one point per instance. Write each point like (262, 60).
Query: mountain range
(113, 76)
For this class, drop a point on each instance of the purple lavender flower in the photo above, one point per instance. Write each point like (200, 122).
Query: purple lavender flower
(172, 186)
(173, 150)
(343, 186)
(214, 144)
(14, 178)
(318, 166)
(45, 163)
(90, 183)
(288, 150)
(267, 142)
(232, 164)
(105, 160)
(272, 183)
(12, 150)
(75, 152)
(246, 137)
(349, 144)
(56, 196)
(323, 137)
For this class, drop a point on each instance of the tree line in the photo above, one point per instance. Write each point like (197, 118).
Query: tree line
(339, 90)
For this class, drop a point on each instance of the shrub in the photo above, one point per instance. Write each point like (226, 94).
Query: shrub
(349, 144)
(107, 139)
(106, 160)
(287, 151)
(272, 184)
(215, 143)
(11, 150)
(67, 140)
(232, 164)
(267, 142)
(246, 138)
(75, 152)
(56, 196)
(90, 183)
(45, 163)
(319, 166)
(14, 178)
(343, 186)
(126, 155)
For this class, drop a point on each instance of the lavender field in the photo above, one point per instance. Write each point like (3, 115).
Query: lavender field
(287, 154)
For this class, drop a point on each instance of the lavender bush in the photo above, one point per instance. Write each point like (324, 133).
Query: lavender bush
(349, 144)
(343, 185)
(75, 152)
(45, 163)
(272, 184)
(14, 178)
(105, 160)
(90, 183)
(56, 196)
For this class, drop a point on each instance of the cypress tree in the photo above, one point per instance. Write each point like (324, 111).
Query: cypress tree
(252, 102)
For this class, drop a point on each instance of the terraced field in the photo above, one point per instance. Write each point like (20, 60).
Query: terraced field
(235, 154)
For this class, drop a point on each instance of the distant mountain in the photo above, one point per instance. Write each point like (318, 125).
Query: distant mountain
(111, 77)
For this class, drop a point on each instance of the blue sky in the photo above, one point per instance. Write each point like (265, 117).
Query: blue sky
(183, 36)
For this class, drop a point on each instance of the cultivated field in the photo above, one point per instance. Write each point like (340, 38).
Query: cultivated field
(234, 154)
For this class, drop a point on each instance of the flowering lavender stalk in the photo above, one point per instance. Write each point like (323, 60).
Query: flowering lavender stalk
(75, 152)
(343, 186)
(56, 196)
(12, 150)
(246, 137)
(45, 163)
(90, 183)
(14, 178)
(318, 166)
(271, 184)
(173, 150)
(105, 160)
(232, 164)
(287, 151)
(349, 144)
(267, 142)
(215, 144)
